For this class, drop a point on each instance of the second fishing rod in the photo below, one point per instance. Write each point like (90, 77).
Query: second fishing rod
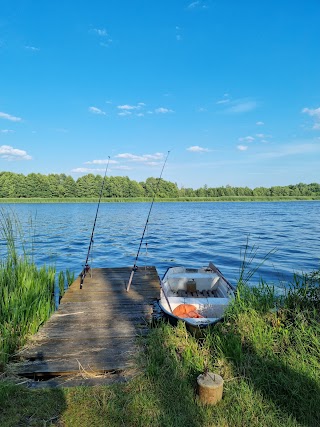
(134, 268)
(86, 267)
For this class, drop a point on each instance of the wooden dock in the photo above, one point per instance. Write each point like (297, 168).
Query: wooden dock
(95, 329)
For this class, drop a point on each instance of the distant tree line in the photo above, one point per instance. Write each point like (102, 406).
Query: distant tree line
(35, 185)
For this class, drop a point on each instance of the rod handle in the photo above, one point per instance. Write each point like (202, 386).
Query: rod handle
(130, 280)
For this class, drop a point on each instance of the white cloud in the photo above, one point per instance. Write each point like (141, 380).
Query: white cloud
(102, 32)
(101, 162)
(197, 149)
(291, 149)
(153, 163)
(87, 170)
(260, 123)
(246, 139)
(144, 158)
(129, 107)
(237, 106)
(140, 115)
(262, 135)
(162, 110)
(95, 110)
(242, 106)
(122, 168)
(9, 117)
(193, 4)
(6, 131)
(242, 147)
(126, 108)
(9, 153)
(223, 101)
(197, 4)
(33, 48)
(178, 33)
(315, 113)
(202, 109)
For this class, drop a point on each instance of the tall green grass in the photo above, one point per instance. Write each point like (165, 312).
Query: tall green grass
(26, 292)
(267, 349)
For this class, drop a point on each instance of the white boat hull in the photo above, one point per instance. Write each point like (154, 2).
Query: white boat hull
(205, 288)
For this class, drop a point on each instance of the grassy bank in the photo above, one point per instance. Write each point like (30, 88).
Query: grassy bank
(149, 199)
(267, 350)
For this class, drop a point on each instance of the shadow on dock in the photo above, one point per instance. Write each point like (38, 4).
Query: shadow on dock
(95, 329)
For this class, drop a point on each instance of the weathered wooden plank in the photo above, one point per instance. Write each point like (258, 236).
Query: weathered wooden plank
(98, 296)
(81, 380)
(103, 287)
(84, 332)
(73, 322)
(69, 306)
(92, 316)
(118, 293)
(104, 363)
(54, 349)
(95, 328)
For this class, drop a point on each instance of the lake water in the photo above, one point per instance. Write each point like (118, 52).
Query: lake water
(190, 234)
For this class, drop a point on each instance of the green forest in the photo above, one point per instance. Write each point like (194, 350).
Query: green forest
(35, 185)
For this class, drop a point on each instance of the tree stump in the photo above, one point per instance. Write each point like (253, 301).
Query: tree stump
(210, 388)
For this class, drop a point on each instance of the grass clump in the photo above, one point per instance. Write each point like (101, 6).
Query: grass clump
(270, 346)
(26, 292)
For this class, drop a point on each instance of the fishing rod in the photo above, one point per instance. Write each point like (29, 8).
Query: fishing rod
(86, 267)
(134, 268)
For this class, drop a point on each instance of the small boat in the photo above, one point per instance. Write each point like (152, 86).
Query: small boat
(197, 296)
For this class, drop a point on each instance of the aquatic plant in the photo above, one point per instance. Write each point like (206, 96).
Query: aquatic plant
(249, 265)
(26, 291)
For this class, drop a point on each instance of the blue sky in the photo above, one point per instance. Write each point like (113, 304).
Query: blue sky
(230, 87)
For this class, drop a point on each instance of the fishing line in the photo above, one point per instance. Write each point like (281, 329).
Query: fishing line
(134, 268)
(86, 267)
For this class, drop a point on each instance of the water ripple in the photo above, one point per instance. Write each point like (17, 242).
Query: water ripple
(191, 234)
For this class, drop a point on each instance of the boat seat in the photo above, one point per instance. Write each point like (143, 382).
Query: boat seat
(198, 294)
(202, 281)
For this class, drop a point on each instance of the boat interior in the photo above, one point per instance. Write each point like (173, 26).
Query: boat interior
(203, 288)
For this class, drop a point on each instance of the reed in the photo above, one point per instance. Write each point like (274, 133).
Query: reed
(26, 291)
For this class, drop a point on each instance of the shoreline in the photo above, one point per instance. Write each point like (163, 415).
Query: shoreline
(159, 200)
